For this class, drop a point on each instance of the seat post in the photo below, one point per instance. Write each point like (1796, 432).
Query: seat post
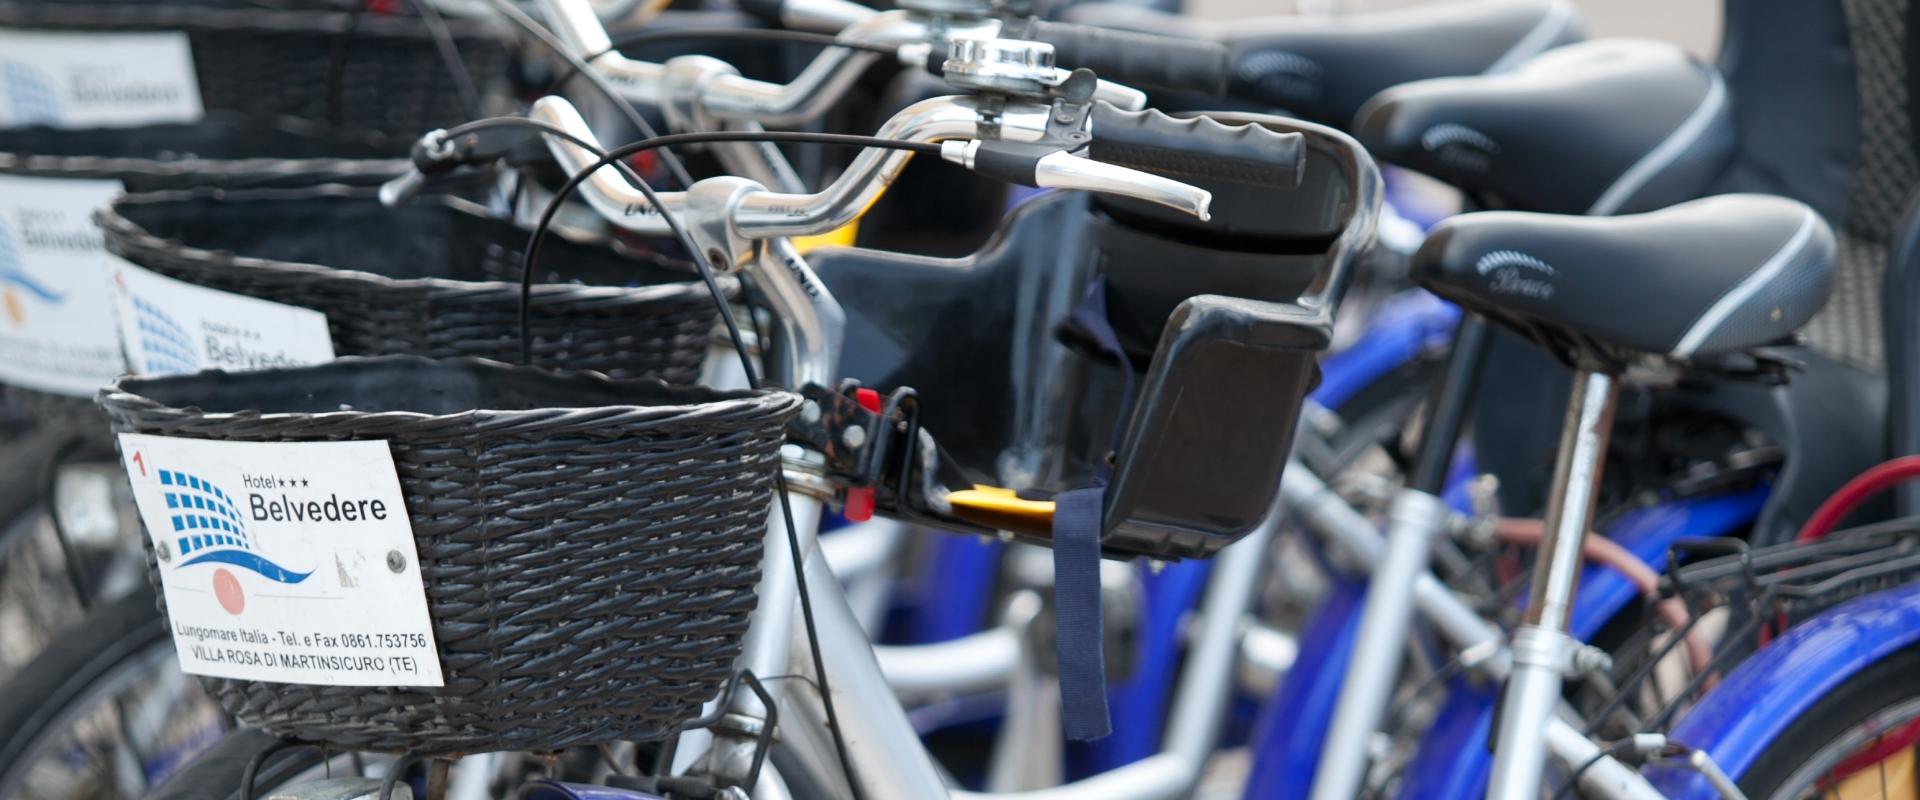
(1543, 651)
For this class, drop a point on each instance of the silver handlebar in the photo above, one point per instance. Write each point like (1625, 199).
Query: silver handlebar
(707, 90)
(768, 215)
(764, 214)
(723, 94)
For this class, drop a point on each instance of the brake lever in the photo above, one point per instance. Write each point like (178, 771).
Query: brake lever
(438, 153)
(1050, 167)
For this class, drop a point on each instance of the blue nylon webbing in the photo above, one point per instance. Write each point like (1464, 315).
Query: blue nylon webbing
(1077, 525)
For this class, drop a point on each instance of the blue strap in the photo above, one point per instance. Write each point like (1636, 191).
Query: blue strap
(1077, 624)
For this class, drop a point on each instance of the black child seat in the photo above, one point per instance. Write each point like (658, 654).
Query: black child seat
(1604, 127)
(1324, 68)
(1700, 279)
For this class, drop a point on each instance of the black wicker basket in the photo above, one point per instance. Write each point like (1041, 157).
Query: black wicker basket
(590, 546)
(224, 149)
(434, 278)
(355, 70)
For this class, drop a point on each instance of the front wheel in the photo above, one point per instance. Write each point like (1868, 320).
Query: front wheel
(104, 711)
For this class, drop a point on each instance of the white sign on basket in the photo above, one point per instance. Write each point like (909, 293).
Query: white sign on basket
(96, 80)
(170, 326)
(56, 316)
(285, 562)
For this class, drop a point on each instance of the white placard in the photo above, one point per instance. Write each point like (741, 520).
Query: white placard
(285, 562)
(170, 326)
(56, 317)
(96, 80)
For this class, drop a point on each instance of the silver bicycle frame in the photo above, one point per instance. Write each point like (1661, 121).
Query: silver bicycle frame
(1542, 648)
(887, 756)
(1479, 644)
(741, 224)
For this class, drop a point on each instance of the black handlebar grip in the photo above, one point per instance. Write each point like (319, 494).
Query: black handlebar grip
(1133, 58)
(1196, 147)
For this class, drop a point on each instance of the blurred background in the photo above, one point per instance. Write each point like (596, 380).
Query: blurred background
(1693, 24)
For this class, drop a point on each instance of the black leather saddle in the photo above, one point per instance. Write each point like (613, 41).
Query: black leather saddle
(1700, 279)
(1324, 69)
(1604, 127)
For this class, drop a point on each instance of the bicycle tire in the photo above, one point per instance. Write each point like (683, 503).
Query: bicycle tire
(217, 773)
(1375, 414)
(104, 651)
(1892, 682)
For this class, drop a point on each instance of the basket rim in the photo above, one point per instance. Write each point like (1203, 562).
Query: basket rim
(132, 234)
(267, 167)
(770, 400)
(189, 17)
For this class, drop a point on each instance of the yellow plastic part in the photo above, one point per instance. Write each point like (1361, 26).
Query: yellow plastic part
(1002, 509)
(839, 237)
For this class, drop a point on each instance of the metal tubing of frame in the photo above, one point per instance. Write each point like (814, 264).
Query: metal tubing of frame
(1323, 512)
(1542, 647)
(1201, 698)
(1379, 646)
(1026, 753)
(1448, 404)
(765, 648)
(864, 557)
(887, 756)
(1606, 777)
(1329, 517)
(975, 663)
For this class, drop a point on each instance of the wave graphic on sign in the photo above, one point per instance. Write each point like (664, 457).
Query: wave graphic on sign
(168, 349)
(206, 522)
(13, 270)
(31, 98)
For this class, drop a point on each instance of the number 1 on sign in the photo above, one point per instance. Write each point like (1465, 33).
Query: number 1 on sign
(139, 460)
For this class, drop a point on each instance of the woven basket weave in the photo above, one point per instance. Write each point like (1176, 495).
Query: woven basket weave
(590, 546)
(224, 149)
(281, 61)
(429, 279)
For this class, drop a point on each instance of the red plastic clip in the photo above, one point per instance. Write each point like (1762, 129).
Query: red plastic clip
(859, 505)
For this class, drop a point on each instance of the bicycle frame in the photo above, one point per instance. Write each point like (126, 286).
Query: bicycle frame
(886, 753)
(1451, 760)
(1405, 329)
(1480, 644)
(885, 749)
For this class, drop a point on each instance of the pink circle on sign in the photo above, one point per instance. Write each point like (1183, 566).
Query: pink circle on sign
(226, 589)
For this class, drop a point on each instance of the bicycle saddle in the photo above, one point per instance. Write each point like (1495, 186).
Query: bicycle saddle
(1708, 277)
(1325, 68)
(1602, 127)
